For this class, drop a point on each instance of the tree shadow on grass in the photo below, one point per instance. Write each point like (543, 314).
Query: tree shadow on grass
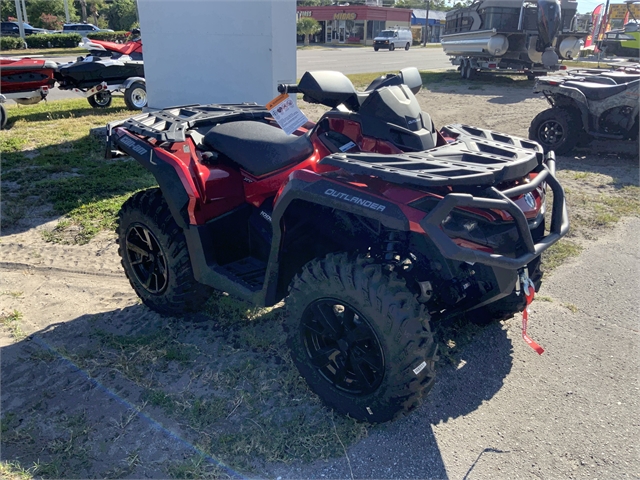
(128, 393)
(72, 178)
(54, 112)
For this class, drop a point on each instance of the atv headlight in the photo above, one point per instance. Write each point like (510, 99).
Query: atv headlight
(460, 225)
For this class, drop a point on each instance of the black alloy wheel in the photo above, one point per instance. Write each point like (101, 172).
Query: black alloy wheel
(147, 258)
(359, 337)
(155, 256)
(556, 129)
(343, 347)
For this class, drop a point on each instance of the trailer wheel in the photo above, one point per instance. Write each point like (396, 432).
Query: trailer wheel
(3, 117)
(135, 96)
(463, 68)
(359, 338)
(556, 129)
(468, 72)
(471, 71)
(100, 99)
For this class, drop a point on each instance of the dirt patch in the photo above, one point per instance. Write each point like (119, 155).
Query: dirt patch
(95, 384)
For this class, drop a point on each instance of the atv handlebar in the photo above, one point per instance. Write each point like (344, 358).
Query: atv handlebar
(288, 88)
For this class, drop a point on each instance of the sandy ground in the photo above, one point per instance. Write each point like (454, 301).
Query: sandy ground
(59, 289)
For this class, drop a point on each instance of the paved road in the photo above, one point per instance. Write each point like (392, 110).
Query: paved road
(346, 60)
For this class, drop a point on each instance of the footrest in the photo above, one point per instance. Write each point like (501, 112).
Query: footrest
(249, 269)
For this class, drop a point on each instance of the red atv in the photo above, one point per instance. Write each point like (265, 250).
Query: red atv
(372, 224)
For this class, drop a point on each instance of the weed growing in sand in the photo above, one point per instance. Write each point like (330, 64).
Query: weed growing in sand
(11, 321)
(15, 471)
(14, 294)
(557, 254)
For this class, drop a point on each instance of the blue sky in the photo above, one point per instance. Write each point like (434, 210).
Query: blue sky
(587, 6)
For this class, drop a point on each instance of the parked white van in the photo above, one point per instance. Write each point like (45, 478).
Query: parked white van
(396, 37)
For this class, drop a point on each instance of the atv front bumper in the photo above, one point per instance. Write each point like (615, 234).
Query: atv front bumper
(432, 223)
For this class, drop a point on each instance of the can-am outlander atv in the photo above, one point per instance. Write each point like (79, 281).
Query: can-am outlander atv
(587, 105)
(371, 224)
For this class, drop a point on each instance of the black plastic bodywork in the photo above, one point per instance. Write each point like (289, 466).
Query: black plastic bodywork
(88, 74)
(330, 194)
(607, 104)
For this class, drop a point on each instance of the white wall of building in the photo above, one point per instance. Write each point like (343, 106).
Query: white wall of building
(217, 51)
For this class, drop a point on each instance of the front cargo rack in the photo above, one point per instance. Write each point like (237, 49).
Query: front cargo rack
(170, 124)
(475, 157)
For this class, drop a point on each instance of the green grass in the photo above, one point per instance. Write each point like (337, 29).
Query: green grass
(559, 253)
(11, 321)
(50, 155)
(14, 471)
(46, 52)
(438, 81)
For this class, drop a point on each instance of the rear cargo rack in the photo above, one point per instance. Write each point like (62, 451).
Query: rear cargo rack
(170, 124)
(477, 157)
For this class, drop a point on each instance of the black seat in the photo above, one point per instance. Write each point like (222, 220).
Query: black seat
(597, 91)
(257, 147)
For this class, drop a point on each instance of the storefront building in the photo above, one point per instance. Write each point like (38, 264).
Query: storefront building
(435, 29)
(354, 24)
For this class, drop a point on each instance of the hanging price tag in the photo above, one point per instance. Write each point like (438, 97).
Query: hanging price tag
(286, 113)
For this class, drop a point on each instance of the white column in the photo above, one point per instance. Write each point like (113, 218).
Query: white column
(217, 51)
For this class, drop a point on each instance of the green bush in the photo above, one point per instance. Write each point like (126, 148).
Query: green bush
(10, 43)
(109, 36)
(54, 40)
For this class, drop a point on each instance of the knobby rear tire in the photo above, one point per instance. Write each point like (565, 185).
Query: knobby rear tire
(3, 117)
(181, 293)
(399, 330)
(557, 129)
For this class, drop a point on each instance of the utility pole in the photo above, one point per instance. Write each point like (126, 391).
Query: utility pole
(426, 23)
(20, 22)
(66, 11)
(24, 12)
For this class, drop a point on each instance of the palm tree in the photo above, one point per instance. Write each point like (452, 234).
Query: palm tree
(308, 26)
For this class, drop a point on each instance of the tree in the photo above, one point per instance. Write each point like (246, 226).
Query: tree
(97, 9)
(83, 10)
(51, 22)
(308, 26)
(122, 14)
(8, 9)
(36, 8)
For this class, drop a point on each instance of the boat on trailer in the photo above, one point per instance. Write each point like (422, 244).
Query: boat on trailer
(25, 81)
(522, 35)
